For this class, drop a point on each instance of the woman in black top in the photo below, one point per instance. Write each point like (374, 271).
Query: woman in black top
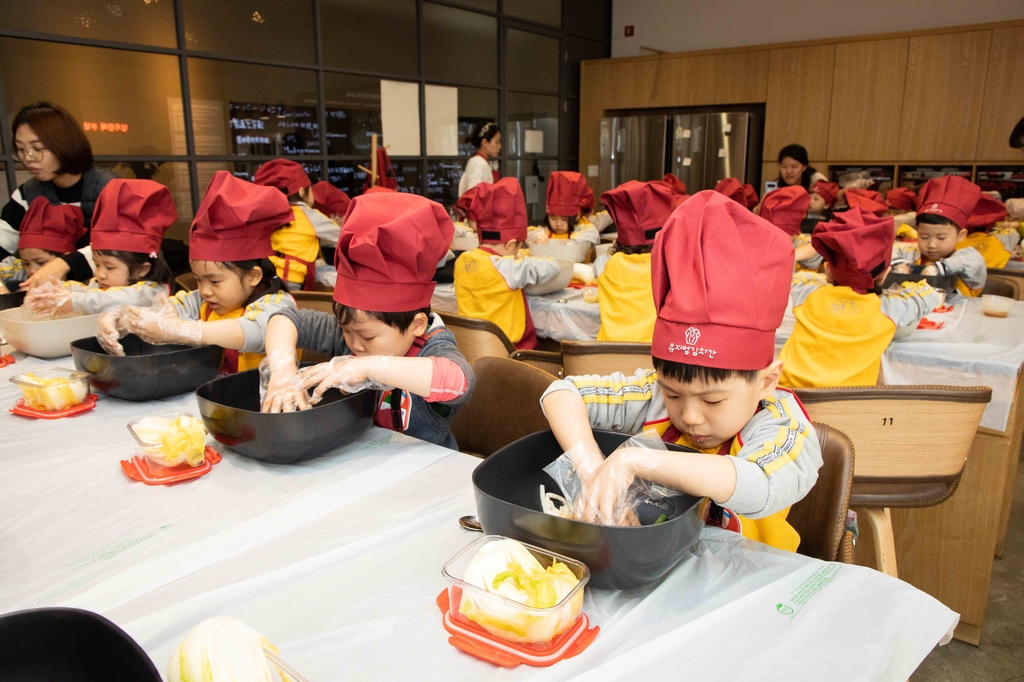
(52, 146)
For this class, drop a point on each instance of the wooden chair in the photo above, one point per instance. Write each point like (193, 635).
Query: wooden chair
(482, 338)
(912, 443)
(548, 361)
(505, 406)
(604, 357)
(820, 518)
(186, 281)
(1002, 286)
(322, 301)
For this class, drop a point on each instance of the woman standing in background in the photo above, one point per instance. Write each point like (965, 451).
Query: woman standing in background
(795, 169)
(487, 140)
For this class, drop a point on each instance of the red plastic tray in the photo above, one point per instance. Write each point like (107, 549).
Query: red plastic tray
(6, 360)
(22, 411)
(928, 324)
(142, 470)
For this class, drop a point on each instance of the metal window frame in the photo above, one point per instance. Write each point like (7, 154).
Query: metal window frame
(183, 54)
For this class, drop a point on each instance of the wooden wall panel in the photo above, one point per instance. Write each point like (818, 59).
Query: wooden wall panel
(592, 76)
(732, 78)
(646, 83)
(943, 96)
(1003, 105)
(798, 100)
(867, 100)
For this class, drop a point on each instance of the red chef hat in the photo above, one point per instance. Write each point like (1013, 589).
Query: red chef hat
(132, 215)
(500, 210)
(732, 188)
(464, 205)
(235, 220)
(829, 191)
(786, 207)
(721, 278)
(901, 199)
(675, 185)
(866, 199)
(379, 188)
(567, 193)
(987, 213)
(587, 201)
(329, 200)
(750, 195)
(951, 197)
(857, 245)
(51, 227)
(639, 210)
(284, 174)
(388, 252)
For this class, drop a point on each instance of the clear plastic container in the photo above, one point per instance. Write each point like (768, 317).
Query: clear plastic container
(537, 629)
(54, 389)
(184, 449)
(996, 306)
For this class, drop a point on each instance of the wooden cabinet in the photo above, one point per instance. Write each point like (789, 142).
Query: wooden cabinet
(798, 99)
(641, 83)
(728, 78)
(867, 100)
(943, 95)
(1003, 104)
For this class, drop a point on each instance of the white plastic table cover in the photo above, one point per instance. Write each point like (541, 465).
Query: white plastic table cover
(971, 349)
(574, 320)
(338, 562)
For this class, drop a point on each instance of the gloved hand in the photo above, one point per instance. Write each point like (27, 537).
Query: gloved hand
(541, 237)
(607, 496)
(50, 299)
(160, 324)
(348, 373)
(280, 384)
(933, 269)
(110, 327)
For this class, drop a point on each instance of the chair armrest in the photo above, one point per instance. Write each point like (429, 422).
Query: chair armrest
(548, 361)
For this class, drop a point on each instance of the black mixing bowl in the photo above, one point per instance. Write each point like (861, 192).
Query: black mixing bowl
(945, 283)
(146, 372)
(70, 645)
(13, 300)
(230, 408)
(507, 487)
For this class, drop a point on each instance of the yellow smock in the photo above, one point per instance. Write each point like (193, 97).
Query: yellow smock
(990, 248)
(626, 299)
(234, 361)
(297, 240)
(482, 293)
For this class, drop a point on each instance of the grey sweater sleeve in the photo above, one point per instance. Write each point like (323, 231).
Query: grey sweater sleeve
(319, 332)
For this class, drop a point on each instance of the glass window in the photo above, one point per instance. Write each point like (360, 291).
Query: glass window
(542, 11)
(268, 29)
(127, 102)
(486, 5)
(476, 107)
(245, 109)
(570, 131)
(146, 23)
(353, 113)
(589, 17)
(531, 113)
(173, 174)
(533, 176)
(246, 170)
(346, 176)
(352, 31)
(460, 46)
(443, 177)
(531, 61)
(578, 50)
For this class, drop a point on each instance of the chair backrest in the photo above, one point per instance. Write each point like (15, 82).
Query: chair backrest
(1002, 286)
(477, 338)
(322, 301)
(902, 432)
(820, 517)
(187, 281)
(505, 406)
(604, 357)
(549, 361)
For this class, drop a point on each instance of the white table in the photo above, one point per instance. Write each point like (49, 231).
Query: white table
(574, 320)
(337, 561)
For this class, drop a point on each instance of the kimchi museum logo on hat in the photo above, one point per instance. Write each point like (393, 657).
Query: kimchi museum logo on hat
(691, 337)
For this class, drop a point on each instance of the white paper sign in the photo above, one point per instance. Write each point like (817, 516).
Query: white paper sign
(687, 161)
(686, 133)
(593, 171)
(442, 104)
(727, 128)
(400, 117)
(722, 153)
(533, 141)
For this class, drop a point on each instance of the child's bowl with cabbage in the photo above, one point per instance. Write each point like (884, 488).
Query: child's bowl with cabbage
(171, 440)
(53, 389)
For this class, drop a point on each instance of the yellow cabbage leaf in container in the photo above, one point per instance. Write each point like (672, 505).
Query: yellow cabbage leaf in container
(506, 568)
(52, 394)
(222, 649)
(173, 441)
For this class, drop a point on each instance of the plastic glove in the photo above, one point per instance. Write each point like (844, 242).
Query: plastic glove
(348, 373)
(608, 496)
(901, 268)
(50, 299)
(160, 324)
(541, 237)
(110, 327)
(280, 384)
(932, 269)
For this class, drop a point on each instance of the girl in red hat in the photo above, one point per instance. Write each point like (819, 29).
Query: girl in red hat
(997, 244)
(47, 233)
(568, 198)
(787, 208)
(238, 290)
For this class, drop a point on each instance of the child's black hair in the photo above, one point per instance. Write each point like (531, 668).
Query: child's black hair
(932, 219)
(629, 250)
(159, 270)
(571, 220)
(687, 374)
(243, 267)
(400, 321)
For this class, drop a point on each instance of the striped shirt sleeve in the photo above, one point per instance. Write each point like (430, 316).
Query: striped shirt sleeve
(615, 403)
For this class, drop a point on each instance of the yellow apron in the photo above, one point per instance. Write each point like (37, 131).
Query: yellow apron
(990, 248)
(627, 304)
(482, 293)
(296, 248)
(773, 530)
(234, 361)
(838, 340)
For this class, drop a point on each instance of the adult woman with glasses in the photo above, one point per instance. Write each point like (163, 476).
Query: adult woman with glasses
(487, 140)
(51, 145)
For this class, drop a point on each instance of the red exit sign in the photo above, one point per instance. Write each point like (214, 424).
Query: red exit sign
(629, 31)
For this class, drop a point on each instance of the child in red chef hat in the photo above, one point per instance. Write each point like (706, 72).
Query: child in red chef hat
(47, 232)
(568, 198)
(714, 383)
(382, 333)
(745, 195)
(237, 288)
(489, 280)
(823, 198)
(996, 245)
(944, 206)
(786, 208)
(842, 330)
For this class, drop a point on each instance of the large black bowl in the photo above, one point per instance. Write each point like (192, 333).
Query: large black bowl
(507, 487)
(146, 372)
(230, 408)
(945, 283)
(70, 645)
(13, 300)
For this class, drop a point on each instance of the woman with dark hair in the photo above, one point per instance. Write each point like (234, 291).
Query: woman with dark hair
(52, 146)
(795, 169)
(487, 140)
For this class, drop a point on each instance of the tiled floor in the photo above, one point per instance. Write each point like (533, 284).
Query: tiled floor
(1000, 658)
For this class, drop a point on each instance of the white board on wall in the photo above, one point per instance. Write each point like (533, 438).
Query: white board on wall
(442, 105)
(400, 117)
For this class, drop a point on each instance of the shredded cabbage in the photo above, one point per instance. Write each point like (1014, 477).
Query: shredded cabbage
(507, 569)
(182, 439)
(223, 649)
(53, 394)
